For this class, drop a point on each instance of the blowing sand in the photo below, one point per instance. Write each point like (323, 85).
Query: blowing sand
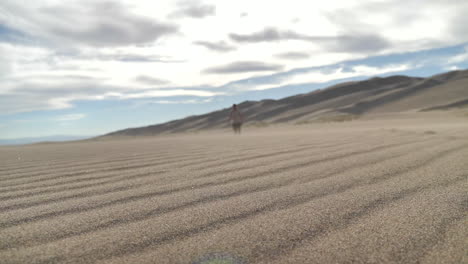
(386, 190)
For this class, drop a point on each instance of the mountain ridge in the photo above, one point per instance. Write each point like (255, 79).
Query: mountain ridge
(45, 139)
(348, 100)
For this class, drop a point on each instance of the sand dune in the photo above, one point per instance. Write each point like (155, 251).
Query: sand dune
(345, 101)
(380, 190)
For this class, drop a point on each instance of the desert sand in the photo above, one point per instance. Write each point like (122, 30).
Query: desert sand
(382, 189)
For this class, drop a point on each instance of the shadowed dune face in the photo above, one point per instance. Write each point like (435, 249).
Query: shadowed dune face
(353, 99)
(387, 190)
(457, 104)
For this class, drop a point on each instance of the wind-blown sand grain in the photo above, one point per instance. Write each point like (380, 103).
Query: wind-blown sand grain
(380, 191)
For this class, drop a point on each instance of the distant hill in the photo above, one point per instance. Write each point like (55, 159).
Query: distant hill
(339, 102)
(58, 138)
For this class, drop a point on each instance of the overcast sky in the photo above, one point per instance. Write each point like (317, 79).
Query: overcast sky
(91, 67)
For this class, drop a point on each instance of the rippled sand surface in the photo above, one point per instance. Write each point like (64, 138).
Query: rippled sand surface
(363, 191)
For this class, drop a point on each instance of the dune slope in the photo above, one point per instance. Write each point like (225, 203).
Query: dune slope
(340, 102)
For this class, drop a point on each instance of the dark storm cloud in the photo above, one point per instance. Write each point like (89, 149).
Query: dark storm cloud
(193, 9)
(150, 80)
(293, 55)
(244, 66)
(220, 46)
(341, 43)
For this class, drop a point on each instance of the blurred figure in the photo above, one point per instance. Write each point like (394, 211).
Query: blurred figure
(236, 119)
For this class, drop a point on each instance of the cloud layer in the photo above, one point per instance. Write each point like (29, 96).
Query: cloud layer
(243, 66)
(220, 46)
(354, 42)
(95, 24)
(57, 53)
(194, 9)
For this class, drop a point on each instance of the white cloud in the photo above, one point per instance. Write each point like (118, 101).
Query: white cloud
(322, 77)
(88, 23)
(462, 57)
(114, 42)
(160, 93)
(452, 68)
(61, 92)
(192, 101)
(193, 9)
(70, 117)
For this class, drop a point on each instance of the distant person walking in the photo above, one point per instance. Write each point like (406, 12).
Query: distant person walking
(236, 119)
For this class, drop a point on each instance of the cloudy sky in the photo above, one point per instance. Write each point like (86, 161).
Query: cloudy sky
(91, 67)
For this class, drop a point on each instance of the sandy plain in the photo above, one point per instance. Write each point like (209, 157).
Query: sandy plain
(384, 189)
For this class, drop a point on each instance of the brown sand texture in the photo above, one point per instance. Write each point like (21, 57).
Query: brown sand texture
(381, 190)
